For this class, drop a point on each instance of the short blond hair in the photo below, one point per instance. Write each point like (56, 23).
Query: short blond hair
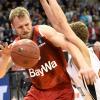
(19, 12)
(81, 30)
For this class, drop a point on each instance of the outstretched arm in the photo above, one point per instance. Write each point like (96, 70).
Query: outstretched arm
(59, 22)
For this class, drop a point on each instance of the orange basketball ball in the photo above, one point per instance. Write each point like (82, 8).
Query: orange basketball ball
(25, 53)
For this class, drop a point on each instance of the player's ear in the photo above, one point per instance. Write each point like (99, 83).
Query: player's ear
(12, 26)
(13, 29)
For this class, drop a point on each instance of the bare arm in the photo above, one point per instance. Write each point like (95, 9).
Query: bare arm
(5, 60)
(4, 66)
(59, 22)
(59, 40)
(50, 14)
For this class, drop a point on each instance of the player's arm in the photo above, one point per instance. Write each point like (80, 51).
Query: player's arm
(59, 22)
(51, 10)
(50, 14)
(5, 60)
(59, 40)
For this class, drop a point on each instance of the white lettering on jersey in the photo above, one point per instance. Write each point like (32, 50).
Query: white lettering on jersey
(44, 68)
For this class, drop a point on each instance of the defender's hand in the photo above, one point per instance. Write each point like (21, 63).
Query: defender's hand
(88, 74)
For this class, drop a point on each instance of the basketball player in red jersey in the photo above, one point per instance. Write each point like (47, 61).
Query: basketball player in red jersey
(49, 77)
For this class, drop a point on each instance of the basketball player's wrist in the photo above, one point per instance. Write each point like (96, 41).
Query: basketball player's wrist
(4, 67)
(6, 58)
(5, 61)
(83, 67)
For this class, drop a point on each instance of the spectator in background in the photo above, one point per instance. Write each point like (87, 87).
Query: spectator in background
(2, 32)
(92, 33)
(97, 28)
(2, 18)
(8, 35)
(83, 17)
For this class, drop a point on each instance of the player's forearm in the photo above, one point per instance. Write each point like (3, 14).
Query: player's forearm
(57, 15)
(5, 65)
(47, 10)
(57, 11)
(83, 48)
(77, 56)
(49, 13)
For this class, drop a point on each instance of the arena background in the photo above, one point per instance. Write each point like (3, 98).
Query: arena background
(16, 80)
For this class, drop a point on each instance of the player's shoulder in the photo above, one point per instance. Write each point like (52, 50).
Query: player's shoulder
(43, 28)
(46, 30)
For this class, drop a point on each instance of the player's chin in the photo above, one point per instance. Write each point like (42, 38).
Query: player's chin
(25, 37)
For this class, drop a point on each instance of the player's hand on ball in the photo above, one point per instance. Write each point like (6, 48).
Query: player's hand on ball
(5, 50)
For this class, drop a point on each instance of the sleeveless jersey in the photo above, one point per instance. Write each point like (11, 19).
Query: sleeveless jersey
(50, 71)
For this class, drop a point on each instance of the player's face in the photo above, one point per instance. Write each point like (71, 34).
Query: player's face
(22, 26)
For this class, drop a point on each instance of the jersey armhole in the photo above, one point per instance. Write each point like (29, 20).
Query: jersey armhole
(40, 32)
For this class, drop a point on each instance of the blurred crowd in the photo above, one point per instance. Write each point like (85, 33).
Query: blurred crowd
(75, 10)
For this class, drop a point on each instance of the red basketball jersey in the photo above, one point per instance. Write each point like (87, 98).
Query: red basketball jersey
(51, 68)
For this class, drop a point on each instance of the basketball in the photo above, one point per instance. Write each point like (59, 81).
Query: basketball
(25, 53)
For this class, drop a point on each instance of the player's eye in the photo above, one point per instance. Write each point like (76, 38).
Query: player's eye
(27, 24)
